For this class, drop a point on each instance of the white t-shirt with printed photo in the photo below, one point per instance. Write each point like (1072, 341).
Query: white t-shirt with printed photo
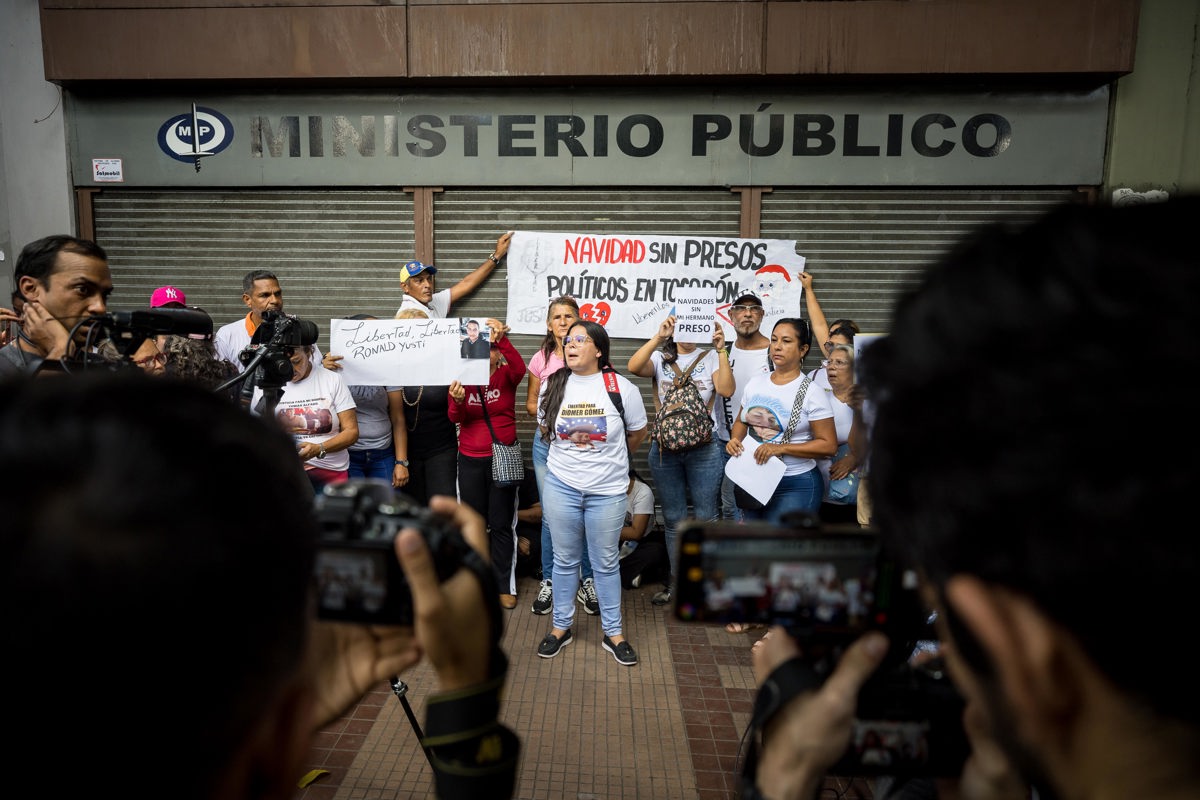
(766, 409)
(587, 439)
(315, 403)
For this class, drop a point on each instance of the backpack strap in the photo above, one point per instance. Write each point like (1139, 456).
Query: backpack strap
(614, 391)
(681, 376)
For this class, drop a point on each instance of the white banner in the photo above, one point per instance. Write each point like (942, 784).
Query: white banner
(629, 284)
(405, 352)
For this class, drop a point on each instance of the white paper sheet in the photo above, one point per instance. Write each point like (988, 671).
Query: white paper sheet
(759, 480)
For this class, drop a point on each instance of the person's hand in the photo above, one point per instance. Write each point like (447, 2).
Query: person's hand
(502, 245)
(718, 336)
(400, 476)
(7, 318)
(987, 773)
(765, 452)
(452, 625)
(842, 467)
(330, 361)
(805, 280)
(498, 329)
(734, 447)
(457, 392)
(666, 328)
(348, 660)
(42, 328)
(812, 730)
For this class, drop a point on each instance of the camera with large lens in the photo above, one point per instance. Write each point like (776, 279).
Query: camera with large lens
(358, 576)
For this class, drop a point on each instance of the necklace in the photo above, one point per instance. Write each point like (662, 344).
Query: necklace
(412, 426)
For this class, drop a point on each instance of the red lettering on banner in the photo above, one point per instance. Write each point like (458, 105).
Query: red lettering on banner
(604, 250)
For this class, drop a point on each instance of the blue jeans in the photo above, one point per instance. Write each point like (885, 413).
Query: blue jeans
(541, 449)
(696, 472)
(801, 492)
(379, 463)
(585, 523)
(729, 509)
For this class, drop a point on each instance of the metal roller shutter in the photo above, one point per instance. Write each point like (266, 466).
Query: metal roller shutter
(866, 247)
(335, 252)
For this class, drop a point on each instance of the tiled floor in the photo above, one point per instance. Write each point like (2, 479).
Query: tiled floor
(669, 728)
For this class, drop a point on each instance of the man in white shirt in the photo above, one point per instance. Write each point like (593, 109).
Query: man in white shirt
(260, 292)
(749, 355)
(417, 281)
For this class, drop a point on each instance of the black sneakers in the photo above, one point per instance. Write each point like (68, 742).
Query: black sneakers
(545, 598)
(552, 644)
(587, 596)
(623, 652)
(663, 597)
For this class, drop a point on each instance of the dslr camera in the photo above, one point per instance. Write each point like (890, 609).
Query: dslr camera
(358, 577)
(827, 585)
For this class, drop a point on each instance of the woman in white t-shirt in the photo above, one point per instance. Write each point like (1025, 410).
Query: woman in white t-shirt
(561, 314)
(591, 442)
(687, 476)
(765, 414)
(316, 407)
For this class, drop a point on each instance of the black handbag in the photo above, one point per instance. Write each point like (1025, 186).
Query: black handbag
(508, 465)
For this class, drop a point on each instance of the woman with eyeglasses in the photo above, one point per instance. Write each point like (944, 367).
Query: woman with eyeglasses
(316, 407)
(822, 330)
(562, 313)
(592, 440)
(839, 372)
(689, 475)
(790, 419)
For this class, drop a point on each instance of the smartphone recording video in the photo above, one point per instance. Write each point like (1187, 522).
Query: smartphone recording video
(822, 585)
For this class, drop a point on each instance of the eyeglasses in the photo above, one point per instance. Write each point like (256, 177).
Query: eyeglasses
(578, 338)
(828, 346)
(158, 359)
(839, 363)
(746, 309)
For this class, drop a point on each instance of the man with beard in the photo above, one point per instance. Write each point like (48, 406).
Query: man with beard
(749, 355)
(1017, 504)
(62, 281)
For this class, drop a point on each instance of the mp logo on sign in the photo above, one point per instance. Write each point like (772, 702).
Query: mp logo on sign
(178, 140)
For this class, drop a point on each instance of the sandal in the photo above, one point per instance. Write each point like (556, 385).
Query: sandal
(742, 627)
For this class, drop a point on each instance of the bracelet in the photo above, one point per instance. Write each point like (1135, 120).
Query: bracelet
(492, 258)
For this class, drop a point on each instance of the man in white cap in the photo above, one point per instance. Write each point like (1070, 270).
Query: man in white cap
(416, 279)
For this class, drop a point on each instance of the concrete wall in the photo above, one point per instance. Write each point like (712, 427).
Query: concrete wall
(36, 197)
(1154, 137)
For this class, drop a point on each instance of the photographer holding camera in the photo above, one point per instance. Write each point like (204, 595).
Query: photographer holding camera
(196, 627)
(1023, 517)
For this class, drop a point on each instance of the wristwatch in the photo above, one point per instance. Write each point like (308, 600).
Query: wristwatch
(321, 452)
(402, 462)
(492, 258)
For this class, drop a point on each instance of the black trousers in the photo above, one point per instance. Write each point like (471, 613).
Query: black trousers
(498, 507)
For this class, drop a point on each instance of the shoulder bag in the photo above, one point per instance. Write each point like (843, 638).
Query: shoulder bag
(508, 466)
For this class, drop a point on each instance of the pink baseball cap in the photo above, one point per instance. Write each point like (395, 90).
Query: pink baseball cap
(168, 296)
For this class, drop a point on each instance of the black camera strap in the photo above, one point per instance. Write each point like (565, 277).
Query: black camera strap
(789, 679)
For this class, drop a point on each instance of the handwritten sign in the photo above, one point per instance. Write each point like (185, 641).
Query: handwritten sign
(629, 284)
(404, 352)
(695, 314)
